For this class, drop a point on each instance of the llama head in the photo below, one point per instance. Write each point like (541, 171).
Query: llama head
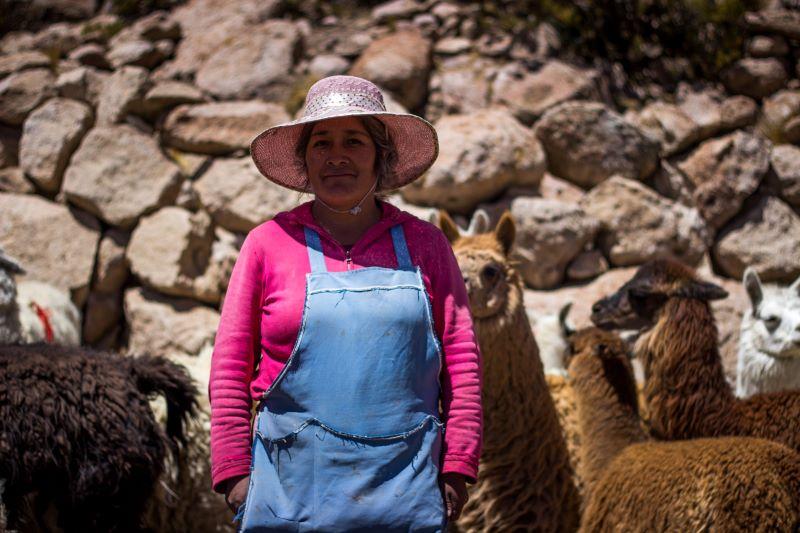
(493, 285)
(599, 354)
(636, 304)
(772, 323)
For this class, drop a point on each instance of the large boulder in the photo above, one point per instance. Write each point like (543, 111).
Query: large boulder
(120, 174)
(529, 94)
(209, 25)
(122, 93)
(49, 137)
(254, 63)
(401, 63)
(671, 126)
(724, 172)
(55, 244)
(22, 61)
(170, 251)
(784, 22)
(238, 197)
(168, 326)
(169, 93)
(714, 115)
(785, 161)
(82, 83)
(639, 225)
(12, 179)
(462, 84)
(481, 155)
(586, 142)
(112, 268)
(781, 116)
(21, 92)
(766, 237)
(755, 77)
(549, 235)
(220, 127)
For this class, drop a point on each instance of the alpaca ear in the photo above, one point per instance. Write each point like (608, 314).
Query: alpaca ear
(566, 329)
(752, 285)
(10, 264)
(505, 232)
(479, 222)
(795, 287)
(707, 291)
(448, 227)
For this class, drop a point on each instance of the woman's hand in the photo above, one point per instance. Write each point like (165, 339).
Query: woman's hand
(455, 494)
(236, 492)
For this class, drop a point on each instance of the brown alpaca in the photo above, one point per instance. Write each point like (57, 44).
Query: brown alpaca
(525, 482)
(685, 390)
(721, 484)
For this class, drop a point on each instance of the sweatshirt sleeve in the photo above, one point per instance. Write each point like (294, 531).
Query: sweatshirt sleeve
(461, 369)
(232, 367)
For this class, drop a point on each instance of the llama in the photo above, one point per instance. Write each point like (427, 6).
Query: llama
(685, 389)
(32, 311)
(80, 449)
(769, 340)
(525, 480)
(722, 484)
(550, 332)
(183, 500)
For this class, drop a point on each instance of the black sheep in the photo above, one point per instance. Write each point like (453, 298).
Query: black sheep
(78, 436)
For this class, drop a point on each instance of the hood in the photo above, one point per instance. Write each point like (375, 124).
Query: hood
(390, 216)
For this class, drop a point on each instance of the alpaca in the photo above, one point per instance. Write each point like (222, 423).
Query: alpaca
(525, 480)
(32, 311)
(769, 339)
(79, 444)
(722, 484)
(183, 500)
(685, 389)
(550, 332)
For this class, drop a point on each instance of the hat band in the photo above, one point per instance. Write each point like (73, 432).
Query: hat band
(342, 99)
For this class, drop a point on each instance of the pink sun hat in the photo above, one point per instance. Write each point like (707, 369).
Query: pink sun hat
(274, 149)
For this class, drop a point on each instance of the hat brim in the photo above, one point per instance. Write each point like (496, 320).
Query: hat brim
(415, 139)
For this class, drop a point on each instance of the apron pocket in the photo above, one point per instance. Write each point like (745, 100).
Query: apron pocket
(378, 485)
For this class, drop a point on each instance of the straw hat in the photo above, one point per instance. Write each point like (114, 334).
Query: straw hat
(274, 150)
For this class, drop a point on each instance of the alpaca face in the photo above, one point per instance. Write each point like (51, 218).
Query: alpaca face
(486, 276)
(484, 262)
(772, 324)
(636, 304)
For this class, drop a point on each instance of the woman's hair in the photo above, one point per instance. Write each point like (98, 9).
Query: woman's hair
(385, 151)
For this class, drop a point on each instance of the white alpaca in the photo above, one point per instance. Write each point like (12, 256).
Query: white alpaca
(551, 332)
(769, 341)
(32, 311)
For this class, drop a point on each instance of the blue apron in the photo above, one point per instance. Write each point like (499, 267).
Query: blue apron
(347, 438)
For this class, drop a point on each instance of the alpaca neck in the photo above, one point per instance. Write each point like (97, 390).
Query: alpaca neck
(511, 363)
(685, 380)
(608, 414)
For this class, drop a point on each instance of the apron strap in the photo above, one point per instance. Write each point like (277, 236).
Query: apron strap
(314, 246)
(317, 260)
(401, 248)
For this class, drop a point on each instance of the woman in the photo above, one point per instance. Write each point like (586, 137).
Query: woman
(359, 316)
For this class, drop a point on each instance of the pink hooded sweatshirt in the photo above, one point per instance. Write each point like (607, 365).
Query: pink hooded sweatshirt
(261, 318)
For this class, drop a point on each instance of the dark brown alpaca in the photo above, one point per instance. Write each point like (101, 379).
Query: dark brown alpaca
(685, 390)
(720, 484)
(525, 481)
(78, 439)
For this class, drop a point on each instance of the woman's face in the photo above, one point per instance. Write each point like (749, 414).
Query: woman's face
(340, 160)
